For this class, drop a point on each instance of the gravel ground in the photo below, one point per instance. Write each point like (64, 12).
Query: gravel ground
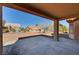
(11, 38)
(41, 45)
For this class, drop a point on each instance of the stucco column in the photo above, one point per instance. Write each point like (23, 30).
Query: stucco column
(76, 30)
(56, 30)
(71, 22)
(71, 30)
(1, 30)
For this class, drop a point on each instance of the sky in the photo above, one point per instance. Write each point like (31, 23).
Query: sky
(25, 19)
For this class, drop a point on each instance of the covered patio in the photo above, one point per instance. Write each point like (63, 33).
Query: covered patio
(56, 13)
(42, 45)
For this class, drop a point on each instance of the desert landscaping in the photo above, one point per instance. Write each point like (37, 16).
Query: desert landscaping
(10, 38)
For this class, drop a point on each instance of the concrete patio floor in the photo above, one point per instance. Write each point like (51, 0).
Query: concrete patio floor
(41, 45)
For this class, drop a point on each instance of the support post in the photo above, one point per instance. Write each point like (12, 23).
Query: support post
(1, 45)
(71, 30)
(56, 30)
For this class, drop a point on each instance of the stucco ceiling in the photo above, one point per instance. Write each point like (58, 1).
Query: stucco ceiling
(49, 10)
(59, 10)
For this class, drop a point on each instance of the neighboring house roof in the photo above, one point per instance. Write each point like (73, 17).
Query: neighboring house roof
(13, 24)
(34, 27)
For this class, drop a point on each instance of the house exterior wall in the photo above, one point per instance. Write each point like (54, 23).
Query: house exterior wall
(13, 27)
(74, 30)
(71, 30)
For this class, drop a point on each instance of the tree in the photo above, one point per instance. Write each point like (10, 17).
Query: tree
(37, 25)
(65, 28)
(62, 28)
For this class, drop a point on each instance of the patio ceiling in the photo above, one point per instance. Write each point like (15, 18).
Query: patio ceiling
(49, 10)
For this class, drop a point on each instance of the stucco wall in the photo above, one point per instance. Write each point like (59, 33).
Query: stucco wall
(76, 31)
(71, 30)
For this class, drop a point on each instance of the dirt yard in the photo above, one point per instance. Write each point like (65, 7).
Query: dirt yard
(10, 38)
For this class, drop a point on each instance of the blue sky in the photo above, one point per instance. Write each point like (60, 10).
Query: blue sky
(24, 19)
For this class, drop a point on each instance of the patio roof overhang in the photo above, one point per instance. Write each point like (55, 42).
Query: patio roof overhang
(51, 11)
